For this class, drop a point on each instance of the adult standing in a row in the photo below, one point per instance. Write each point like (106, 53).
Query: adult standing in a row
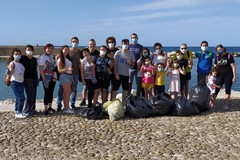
(136, 49)
(111, 50)
(30, 80)
(226, 72)
(17, 77)
(47, 67)
(123, 61)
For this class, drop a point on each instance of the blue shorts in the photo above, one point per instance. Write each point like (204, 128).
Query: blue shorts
(65, 78)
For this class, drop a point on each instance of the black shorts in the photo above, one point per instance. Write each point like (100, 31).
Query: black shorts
(224, 79)
(188, 76)
(102, 83)
(114, 82)
(124, 81)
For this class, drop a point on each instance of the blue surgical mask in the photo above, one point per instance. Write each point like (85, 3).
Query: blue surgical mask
(17, 57)
(160, 69)
(145, 54)
(134, 40)
(220, 52)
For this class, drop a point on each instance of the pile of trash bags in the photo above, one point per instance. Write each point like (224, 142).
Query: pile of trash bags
(159, 105)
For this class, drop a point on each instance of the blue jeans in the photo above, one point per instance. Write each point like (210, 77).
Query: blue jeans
(74, 89)
(18, 90)
(73, 95)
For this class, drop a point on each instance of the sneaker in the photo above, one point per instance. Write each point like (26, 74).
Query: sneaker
(73, 107)
(83, 102)
(20, 115)
(59, 109)
(51, 110)
(68, 111)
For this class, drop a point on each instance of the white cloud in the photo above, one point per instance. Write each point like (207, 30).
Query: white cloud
(163, 4)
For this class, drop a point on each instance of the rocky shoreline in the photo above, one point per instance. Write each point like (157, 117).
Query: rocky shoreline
(211, 135)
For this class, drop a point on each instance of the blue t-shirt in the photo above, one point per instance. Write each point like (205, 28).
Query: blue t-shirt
(204, 61)
(136, 50)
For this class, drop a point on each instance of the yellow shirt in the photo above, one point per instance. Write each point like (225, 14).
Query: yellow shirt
(160, 78)
(185, 56)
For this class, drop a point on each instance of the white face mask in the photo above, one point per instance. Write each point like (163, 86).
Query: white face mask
(74, 45)
(175, 65)
(204, 48)
(158, 51)
(29, 53)
(110, 45)
(125, 47)
(102, 53)
(183, 51)
(179, 57)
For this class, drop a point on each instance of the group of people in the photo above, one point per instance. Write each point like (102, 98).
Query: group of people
(110, 67)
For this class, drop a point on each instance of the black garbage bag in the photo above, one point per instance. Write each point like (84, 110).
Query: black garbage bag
(93, 113)
(139, 107)
(163, 103)
(184, 107)
(201, 96)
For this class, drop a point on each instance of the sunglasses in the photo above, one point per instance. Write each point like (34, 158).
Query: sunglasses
(183, 48)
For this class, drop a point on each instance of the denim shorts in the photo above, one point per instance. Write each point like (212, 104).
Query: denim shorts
(65, 78)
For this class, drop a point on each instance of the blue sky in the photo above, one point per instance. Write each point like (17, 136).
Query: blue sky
(170, 22)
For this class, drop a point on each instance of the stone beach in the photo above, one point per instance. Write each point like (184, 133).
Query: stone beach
(212, 135)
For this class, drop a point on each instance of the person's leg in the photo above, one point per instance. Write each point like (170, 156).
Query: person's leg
(124, 80)
(131, 77)
(35, 85)
(104, 95)
(115, 87)
(187, 78)
(66, 94)
(95, 97)
(18, 90)
(84, 95)
(59, 97)
(139, 86)
(29, 90)
(90, 95)
(74, 90)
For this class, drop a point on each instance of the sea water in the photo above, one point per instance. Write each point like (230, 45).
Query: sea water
(6, 92)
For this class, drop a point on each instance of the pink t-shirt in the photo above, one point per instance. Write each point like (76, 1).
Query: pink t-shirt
(147, 76)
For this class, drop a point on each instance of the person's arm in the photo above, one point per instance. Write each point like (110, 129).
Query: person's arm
(116, 69)
(82, 74)
(182, 70)
(61, 68)
(234, 72)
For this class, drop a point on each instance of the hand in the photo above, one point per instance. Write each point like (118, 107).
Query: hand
(94, 80)
(117, 77)
(46, 83)
(83, 82)
(234, 79)
(128, 62)
(70, 69)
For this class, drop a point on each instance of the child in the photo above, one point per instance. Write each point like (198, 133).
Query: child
(148, 72)
(174, 73)
(211, 84)
(160, 78)
(183, 63)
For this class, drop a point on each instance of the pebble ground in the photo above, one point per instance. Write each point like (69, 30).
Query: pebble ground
(211, 135)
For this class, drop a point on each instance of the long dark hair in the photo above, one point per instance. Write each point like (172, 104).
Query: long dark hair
(142, 57)
(62, 59)
(10, 59)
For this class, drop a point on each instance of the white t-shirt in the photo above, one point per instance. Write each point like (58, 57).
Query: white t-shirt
(47, 61)
(68, 64)
(88, 72)
(122, 66)
(18, 73)
(158, 58)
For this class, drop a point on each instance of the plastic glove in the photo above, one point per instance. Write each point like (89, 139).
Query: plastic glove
(46, 83)
(94, 80)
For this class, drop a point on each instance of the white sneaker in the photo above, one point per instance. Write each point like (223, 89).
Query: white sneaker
(68, 111)
(20, 115)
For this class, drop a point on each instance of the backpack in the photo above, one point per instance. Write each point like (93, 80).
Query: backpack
(7, 78)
